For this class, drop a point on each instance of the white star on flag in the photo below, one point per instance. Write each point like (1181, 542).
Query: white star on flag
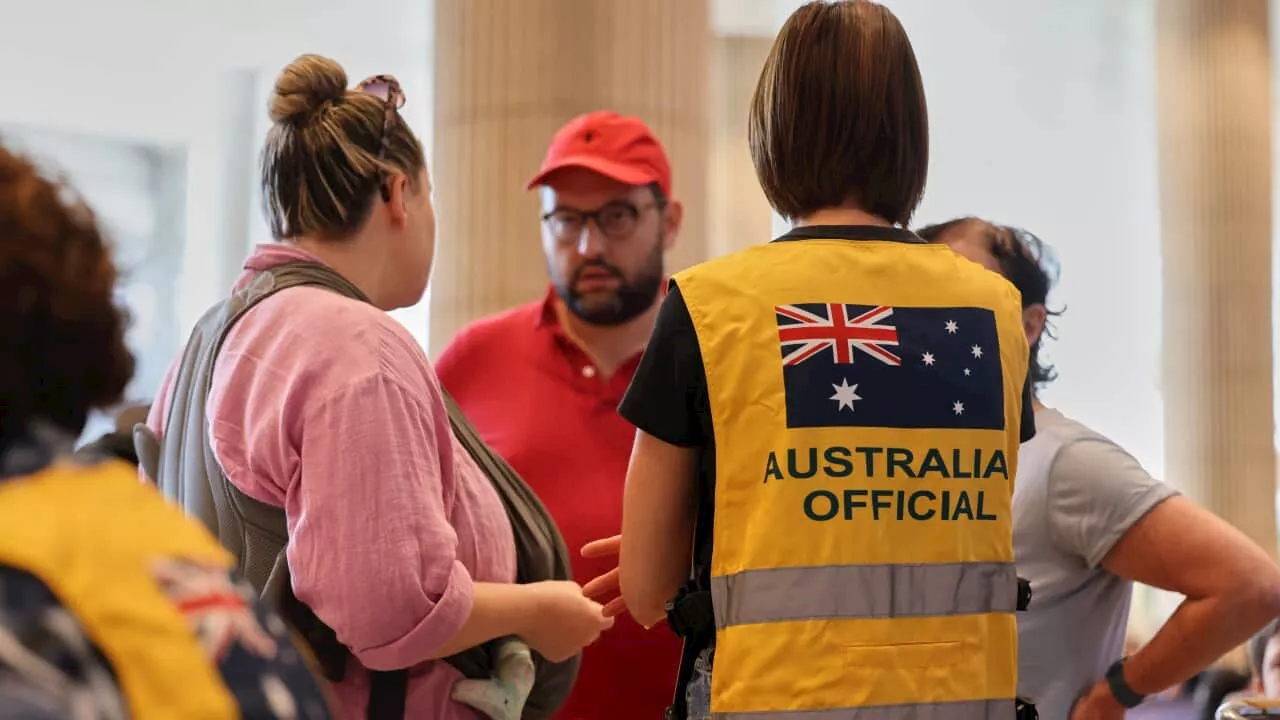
(845, 394)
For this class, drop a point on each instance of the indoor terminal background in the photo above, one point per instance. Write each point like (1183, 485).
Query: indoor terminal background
(1135, 136)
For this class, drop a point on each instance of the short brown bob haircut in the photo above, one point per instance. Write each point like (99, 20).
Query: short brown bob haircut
(839, 117)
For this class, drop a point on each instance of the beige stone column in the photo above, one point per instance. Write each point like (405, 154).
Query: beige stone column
(508, 73)
(740, 215)
(1214, 109)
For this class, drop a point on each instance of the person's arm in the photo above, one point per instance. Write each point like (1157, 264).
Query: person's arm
(658, 511)
(1232, 588)
(372, 551)
(1109, 511)
(497, 610)
(667, 402)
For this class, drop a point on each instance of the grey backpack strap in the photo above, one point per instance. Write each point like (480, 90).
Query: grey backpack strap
(182, 463)
(541, 555)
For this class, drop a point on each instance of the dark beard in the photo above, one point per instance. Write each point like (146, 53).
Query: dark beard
(629, 301)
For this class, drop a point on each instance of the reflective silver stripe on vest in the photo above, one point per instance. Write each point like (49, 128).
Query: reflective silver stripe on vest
(960, 710)
(863, 591)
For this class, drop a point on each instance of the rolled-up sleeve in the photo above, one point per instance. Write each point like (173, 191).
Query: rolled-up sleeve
(371, 549)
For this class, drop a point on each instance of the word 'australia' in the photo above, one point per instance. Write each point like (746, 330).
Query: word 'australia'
(877, 462)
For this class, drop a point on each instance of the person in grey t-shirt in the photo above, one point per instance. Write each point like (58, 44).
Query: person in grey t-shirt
(1089, 521)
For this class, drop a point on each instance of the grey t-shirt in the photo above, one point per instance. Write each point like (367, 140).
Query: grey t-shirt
(1075, 496)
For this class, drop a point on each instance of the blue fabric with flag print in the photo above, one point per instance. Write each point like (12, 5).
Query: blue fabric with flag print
(50, 669)
(890, 367)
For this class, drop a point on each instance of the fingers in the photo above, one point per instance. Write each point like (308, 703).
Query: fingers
(602, 548)
(615, 608)
(606, 583)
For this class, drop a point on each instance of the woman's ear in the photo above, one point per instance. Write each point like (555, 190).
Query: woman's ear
(1033, 319)
(396, 195)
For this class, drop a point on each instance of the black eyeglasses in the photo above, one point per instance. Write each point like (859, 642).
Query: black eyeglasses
(617, 221)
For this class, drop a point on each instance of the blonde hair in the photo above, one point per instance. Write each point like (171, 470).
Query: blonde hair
(325, 157)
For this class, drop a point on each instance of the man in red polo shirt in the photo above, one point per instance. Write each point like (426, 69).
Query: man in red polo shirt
(542, 382)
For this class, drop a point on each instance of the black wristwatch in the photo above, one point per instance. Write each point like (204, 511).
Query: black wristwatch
(1120, 689)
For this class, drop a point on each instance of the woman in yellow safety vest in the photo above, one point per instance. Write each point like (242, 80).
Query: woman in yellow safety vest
(818, 497)
(112, 603)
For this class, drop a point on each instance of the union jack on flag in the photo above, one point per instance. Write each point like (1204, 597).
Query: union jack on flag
(808, 330)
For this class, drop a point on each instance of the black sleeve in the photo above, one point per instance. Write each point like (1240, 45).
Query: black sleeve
(1028, 409)
(668, 395)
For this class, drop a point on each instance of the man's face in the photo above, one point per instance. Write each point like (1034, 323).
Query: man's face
(604, 243)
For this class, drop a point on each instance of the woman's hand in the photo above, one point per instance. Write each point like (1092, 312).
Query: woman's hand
(1097, 704)
(564, 620)
(606, 585)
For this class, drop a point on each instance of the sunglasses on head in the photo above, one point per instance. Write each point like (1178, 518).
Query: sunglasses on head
(387, 89)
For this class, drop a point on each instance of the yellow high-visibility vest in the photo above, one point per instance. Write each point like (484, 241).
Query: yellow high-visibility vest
(866, 399)
(94, 535)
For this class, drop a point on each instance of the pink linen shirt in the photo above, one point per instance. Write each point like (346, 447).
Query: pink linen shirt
(329, 408)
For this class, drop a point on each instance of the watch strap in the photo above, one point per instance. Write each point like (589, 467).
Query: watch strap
(1124, 694)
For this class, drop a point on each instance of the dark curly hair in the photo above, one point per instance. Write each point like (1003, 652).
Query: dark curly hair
(1026, 261)
(62, 348)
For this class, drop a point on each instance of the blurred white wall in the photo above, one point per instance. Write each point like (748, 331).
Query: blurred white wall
(1043, 115)
(140, 68)
(186, 81)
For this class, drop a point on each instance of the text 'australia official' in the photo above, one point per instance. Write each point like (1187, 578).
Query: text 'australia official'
(907, 503)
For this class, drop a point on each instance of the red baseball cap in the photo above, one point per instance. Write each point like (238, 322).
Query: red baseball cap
(617, 146)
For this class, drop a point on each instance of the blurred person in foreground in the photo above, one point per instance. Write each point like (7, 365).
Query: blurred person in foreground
(542, 381)
(112, 604)
(828, 424)
(1089, 521)
(325, 409)
(1264, 660)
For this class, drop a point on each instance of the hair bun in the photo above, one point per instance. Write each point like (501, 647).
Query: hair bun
(304, 86)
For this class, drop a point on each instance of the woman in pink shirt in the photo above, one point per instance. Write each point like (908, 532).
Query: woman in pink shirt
(327, 407)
